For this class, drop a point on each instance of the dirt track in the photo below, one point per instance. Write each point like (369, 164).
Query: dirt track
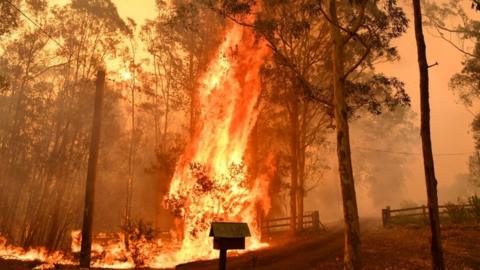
(305, 253)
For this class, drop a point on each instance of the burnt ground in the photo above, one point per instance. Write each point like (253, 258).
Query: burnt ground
(393, 248)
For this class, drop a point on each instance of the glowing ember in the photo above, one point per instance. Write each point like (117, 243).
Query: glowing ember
(210, 182)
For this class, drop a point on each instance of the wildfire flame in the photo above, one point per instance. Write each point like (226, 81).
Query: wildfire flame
(211, 180)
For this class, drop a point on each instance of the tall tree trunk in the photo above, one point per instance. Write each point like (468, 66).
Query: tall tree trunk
(352, 258)
(301, 164)
(132, 151)
(86, 246)
(131, 169)
(431, 182)
(293, 163)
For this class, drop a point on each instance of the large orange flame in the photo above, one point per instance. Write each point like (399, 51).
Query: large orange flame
(210, 182)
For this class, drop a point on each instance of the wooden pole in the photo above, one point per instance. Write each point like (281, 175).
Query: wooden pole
(86, 246)
(316, 220)
(431, 181)
(223, 259)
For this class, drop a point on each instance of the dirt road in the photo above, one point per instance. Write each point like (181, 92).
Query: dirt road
(305, 253)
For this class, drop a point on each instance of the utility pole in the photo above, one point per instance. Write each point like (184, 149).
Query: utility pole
(431, 181)
(92, 173)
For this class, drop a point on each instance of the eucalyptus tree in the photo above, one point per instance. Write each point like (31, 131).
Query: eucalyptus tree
(358, 28)
(366, 38)
(45, 124)
(429, 168)
(23, 62)
(453, 24)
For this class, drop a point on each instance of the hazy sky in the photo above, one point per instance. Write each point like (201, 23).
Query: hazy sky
(139, 10)
(450, 120)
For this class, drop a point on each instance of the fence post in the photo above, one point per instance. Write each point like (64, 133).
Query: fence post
(424, 212)
(315, 220)
(385, 216)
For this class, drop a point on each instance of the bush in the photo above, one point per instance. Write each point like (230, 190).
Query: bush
(474, 201)
(458, 214)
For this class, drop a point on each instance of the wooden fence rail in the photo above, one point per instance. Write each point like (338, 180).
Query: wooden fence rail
(421, 211)
(311, 222)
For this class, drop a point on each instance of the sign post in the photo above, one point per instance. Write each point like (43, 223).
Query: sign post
(228, 235)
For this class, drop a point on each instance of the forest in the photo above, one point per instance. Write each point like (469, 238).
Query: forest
(344, 134)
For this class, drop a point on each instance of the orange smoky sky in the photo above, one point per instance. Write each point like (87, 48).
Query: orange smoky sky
(450, 120)
(139, 10)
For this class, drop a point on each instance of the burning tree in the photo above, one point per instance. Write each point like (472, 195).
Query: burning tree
(210, 182)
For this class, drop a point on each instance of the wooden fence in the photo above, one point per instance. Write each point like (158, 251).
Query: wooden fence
(311, 222)
(420, 212)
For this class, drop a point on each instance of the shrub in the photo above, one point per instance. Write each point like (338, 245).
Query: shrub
(458, 214)
(474, 201)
